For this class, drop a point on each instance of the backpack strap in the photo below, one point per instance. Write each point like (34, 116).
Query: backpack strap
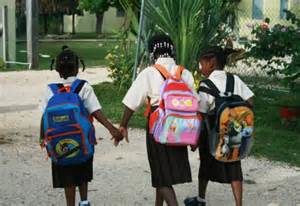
(77, 85)
(208, 91)
(211, 88)
(55, 88)
(211, 85)
(166, 75)
(179, 72)
(163, 71)
(229, 84)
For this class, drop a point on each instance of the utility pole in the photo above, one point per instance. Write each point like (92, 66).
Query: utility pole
(32, 15)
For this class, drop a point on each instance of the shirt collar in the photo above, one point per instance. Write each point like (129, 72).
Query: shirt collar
(216, 73)
(165, 61)
(68, 80)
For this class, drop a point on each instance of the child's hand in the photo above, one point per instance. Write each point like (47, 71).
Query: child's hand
(124, 132)
(116, 135)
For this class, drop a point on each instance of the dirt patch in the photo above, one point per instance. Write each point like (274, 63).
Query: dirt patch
(5, 141)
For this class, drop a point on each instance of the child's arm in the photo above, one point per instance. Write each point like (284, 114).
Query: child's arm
(127, 114)
(117, 136)
(42, 135)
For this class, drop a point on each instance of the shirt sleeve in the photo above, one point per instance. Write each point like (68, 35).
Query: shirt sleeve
(242, 89)
(206, 101)
(138, 92)
(47, 95)
(89, 98)
(188, 78)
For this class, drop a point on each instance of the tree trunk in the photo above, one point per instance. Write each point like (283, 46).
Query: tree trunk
(99, 22)
(61, 30)
(45, 24)
(73, 24)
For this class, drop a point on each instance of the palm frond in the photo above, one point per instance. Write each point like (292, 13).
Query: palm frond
(192, 25)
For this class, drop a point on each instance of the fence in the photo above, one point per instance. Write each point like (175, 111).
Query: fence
(255, 12)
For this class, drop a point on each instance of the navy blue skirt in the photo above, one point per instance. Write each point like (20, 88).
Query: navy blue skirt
(169, 165)
(214, 170)
(73, 175)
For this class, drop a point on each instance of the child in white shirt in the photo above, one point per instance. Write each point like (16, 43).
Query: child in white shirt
(71, 176)
(212, 63)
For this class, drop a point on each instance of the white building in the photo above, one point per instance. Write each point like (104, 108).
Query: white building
(8, 20)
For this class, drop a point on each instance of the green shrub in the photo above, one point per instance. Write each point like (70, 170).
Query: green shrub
(2, 64)
(275, 46)
(120, 62)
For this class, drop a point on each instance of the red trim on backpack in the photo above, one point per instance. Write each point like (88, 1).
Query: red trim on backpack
(153, 118)
(177, 86)
(148, 108)
(65, 89)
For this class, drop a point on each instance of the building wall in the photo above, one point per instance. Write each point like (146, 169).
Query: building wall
(87, 23)
(271, 9)
(296, 7)
(11, 37)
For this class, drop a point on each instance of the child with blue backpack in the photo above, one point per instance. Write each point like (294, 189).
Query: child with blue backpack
(67, 130)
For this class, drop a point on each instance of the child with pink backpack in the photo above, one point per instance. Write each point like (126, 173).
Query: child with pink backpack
(173, 122)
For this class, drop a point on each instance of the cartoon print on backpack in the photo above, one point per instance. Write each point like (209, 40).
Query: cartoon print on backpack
(237, 130)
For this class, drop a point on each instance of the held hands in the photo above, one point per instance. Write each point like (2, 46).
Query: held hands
(124, 132)
(117, 136)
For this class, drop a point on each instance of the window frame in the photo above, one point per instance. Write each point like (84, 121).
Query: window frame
(258, 9)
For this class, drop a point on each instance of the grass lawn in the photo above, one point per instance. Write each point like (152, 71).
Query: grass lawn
(273, 140)
(111, 100)
(93, 53)
(94, 36)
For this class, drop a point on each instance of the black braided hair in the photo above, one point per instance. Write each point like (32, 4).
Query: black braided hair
(67, 63)
(161, 45)
(219, 53)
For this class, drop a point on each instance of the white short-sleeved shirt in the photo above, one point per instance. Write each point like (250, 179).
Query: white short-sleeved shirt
(148, 84)
(218, 77)
(87, 95)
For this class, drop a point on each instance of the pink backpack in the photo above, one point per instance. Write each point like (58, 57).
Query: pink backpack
(176, 121)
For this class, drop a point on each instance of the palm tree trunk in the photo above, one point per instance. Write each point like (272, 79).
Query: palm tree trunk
(99, 22)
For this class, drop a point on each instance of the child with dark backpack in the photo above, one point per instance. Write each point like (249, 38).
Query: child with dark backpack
(67, 130)
(226, 138)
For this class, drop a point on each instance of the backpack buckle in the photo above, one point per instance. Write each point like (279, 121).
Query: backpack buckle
(226, 94)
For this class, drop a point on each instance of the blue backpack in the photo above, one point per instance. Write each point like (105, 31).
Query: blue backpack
(69, 135)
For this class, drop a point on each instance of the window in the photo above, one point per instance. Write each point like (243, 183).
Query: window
(257, 9)
(120, 12)
(284, 4)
